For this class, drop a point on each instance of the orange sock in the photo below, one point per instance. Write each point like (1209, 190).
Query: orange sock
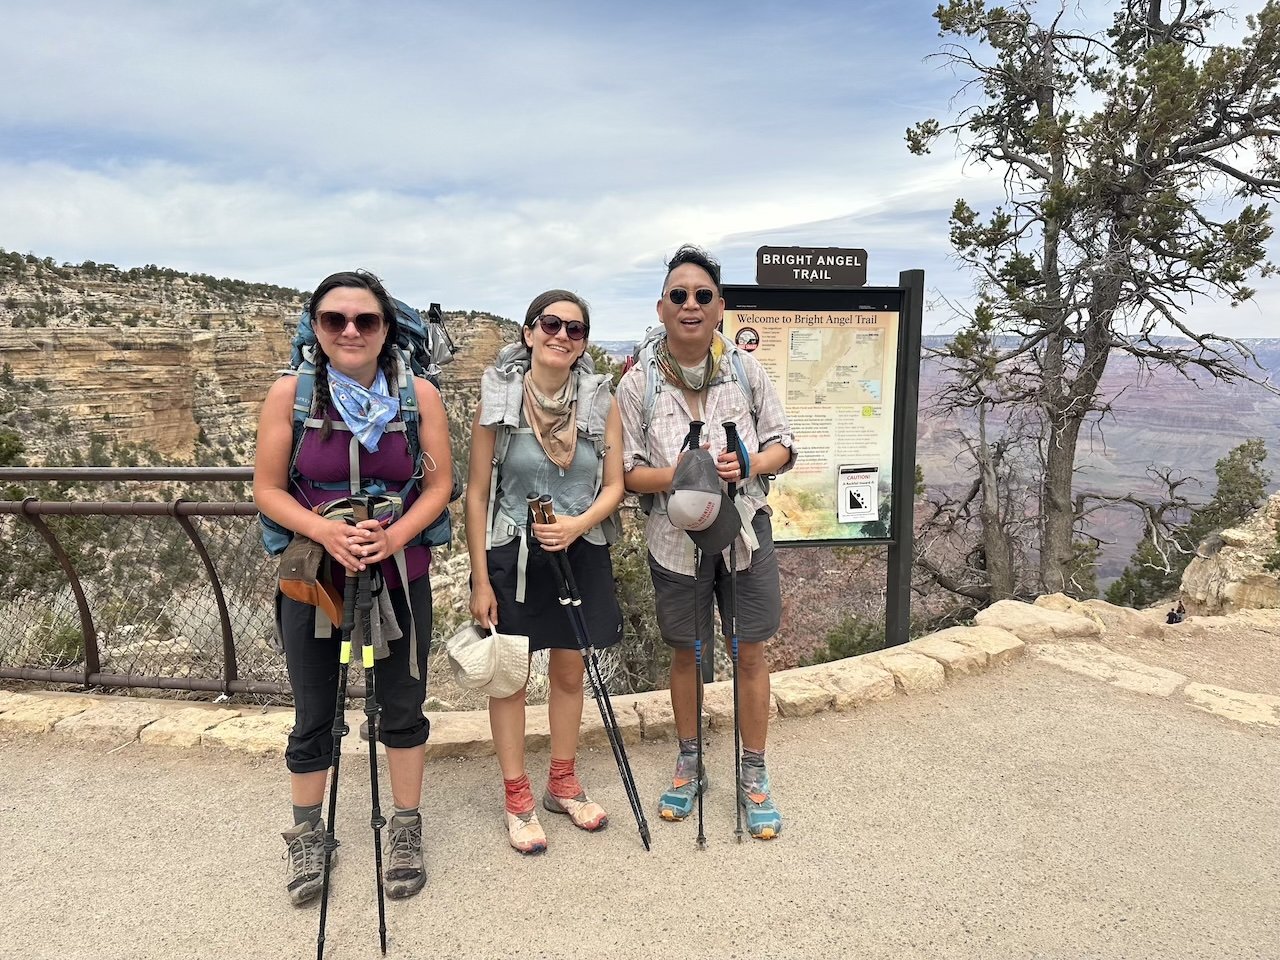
(563, 781)
(519, 794)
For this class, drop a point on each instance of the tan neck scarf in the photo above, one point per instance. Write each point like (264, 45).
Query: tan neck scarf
(553, 419)
(675, 375)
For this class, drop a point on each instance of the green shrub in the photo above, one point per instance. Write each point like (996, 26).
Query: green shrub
(852, 637)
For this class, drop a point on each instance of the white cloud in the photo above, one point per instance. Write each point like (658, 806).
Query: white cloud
(476, 154)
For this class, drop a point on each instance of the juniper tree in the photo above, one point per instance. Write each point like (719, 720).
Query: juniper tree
(1137, 166)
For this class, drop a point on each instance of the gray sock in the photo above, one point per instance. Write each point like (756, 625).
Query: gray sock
(410, 813)
(308, 814)
(689, 746)
(752, 758)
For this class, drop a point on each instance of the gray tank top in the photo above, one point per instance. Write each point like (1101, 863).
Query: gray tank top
(527, 469)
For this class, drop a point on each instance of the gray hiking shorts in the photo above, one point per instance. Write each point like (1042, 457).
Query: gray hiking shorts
(684, 603)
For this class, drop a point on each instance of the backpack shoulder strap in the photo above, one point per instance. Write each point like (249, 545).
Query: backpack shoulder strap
(303, 398)
(501, 394)
(408, 392)
(304, 394)
(759, 484)
(595, 400)
(410, 414)
(646, 359)
(648, 362)
(740, 374)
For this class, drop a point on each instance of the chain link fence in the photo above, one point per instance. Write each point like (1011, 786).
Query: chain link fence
(155, 610)
(156, 620)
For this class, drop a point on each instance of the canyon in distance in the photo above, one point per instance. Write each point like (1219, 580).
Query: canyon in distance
(180, 363)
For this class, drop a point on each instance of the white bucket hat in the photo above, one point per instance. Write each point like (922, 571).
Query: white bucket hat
(495, 664)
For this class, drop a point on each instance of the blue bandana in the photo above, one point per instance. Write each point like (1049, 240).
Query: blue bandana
(367, 411)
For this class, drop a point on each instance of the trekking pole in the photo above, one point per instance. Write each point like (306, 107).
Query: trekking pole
(734, 444)
(694, 440)
(544, 512)
(364, 607)
(339, 731)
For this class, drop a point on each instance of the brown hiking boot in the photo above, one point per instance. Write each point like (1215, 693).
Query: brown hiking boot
(405, 872)
(304, 861)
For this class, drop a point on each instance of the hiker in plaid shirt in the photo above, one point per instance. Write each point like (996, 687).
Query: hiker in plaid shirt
(696, 381)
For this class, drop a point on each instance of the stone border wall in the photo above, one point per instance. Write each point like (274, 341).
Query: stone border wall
(922, 666)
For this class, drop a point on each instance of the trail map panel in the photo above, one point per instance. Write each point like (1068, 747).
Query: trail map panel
(833, 357)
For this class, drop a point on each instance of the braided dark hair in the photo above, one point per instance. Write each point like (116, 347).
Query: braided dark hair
(388, 357)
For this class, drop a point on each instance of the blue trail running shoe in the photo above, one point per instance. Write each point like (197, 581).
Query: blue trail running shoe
(676, 802)
(764, 822)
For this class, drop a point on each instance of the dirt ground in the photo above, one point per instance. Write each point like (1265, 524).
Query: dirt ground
(1240, 651)
(1027, 813)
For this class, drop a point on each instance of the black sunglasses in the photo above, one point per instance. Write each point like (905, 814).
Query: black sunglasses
(551, 324)
(678, 295)
(333, 322)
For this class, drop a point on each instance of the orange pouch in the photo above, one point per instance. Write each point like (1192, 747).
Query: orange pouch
(300, 577)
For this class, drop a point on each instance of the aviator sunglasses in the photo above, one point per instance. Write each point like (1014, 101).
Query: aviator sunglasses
(333, 323)
(551, 324)
(678, 295)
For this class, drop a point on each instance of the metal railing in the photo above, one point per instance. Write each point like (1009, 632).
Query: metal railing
(165, 593)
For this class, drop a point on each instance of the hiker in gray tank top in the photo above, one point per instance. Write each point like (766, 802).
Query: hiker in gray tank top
(546, 424)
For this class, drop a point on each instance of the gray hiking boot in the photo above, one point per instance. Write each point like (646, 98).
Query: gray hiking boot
(405, 873)
(304, 861)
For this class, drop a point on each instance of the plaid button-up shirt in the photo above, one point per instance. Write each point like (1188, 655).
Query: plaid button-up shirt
(724, 400)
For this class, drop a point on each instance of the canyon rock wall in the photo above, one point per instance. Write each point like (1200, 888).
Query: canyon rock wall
(159, 387)
(1229, 571)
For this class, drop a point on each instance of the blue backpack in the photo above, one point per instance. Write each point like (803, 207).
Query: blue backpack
(424, 347)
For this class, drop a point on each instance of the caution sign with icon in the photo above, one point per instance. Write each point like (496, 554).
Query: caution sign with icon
(857, 494)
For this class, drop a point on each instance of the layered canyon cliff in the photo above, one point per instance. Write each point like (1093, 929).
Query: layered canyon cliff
(178, 365)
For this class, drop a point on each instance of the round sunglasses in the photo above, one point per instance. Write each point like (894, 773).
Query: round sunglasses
(678, 295)
(333, 323)
(551, 324)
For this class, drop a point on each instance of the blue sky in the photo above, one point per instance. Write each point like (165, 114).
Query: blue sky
(476, 154)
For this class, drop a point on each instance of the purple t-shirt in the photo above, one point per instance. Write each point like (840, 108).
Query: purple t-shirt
(328, 462)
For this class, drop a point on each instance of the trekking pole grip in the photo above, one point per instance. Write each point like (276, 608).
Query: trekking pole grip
(694, 439)
(548, 511)
(540, 507)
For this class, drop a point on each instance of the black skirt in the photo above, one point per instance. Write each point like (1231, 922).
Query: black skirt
(542, 618)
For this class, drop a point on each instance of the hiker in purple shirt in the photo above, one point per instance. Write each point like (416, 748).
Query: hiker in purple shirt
(355, 408)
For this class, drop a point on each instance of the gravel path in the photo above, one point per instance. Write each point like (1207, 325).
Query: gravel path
(1028, 813)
